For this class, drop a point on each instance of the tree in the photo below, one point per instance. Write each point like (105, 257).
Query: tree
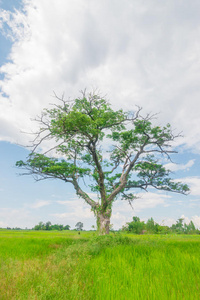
(136, 226)
(66, 227)
(79, 226)
(178, 227)
(40, 226)
(151, 226)
(48, 225)
(83, 130)
(190, 228)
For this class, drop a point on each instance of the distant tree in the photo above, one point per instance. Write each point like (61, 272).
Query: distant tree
(136, 226)
(82, 130)
(190, 228)
(178, 227)
(151, 226)
(181, 227)
(136, 219)
(66, 227)
(60, 227)
(79, 226)
(40, 226)
(48, 225)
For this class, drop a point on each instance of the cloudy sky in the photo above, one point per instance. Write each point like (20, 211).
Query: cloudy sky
(143, 53)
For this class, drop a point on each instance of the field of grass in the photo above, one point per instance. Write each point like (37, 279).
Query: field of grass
(65, 265)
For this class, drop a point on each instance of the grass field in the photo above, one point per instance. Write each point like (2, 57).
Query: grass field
(65, 265)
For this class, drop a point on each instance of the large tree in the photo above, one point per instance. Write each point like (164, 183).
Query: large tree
(99, 150)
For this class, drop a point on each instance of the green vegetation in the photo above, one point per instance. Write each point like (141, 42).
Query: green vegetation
(116, 153)
(49, 226)
(65, 265)
(139, 227)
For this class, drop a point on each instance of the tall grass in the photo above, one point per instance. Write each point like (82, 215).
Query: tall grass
(146, 269)
(64, 265)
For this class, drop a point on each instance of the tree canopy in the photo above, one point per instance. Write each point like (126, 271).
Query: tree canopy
(112, 153)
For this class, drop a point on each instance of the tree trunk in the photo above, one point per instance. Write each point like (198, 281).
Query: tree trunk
(103, 221)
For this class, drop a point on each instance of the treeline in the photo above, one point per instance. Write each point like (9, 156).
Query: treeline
(151, 227)
(49, 226)
(14, 228)
(136, 226)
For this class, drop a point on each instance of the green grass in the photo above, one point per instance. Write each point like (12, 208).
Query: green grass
(65, 265)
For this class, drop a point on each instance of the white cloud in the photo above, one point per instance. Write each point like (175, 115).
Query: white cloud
(123, 213)
(40, 203)
(17, 23)
(186, 219)
(177, 167)
(195, 219)
(21, 217)
(76, 210)
(2, 224)
(118, 220)
(167, 222)
(149, 200)
(193, 183)
(79, 213)
(139, 53)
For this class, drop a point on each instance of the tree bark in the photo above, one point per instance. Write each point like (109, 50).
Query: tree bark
(103, 221)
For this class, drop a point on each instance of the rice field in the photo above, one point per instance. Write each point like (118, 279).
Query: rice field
(65, 265)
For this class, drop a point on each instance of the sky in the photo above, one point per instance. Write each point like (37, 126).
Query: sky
(144, 53)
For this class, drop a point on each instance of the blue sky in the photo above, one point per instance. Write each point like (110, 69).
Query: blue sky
(143, 53)
(5, 43)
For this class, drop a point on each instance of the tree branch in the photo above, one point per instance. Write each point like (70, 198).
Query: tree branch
(83, 195)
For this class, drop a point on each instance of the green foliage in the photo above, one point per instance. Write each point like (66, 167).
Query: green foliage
(151, 227)
(190, 228)
(181, 227)
(136, 226)
(49, 226)
(51, 167)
